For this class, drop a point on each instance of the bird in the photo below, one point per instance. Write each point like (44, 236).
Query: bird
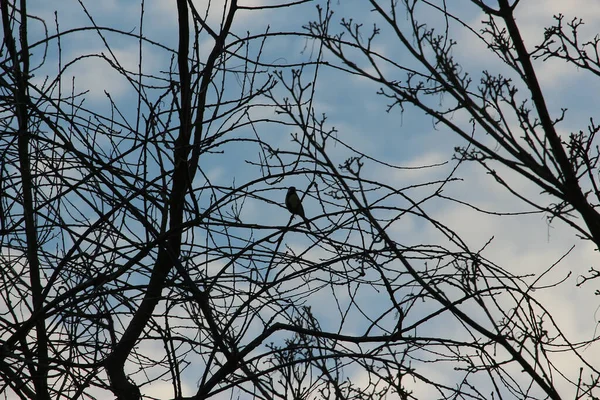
(294, 205)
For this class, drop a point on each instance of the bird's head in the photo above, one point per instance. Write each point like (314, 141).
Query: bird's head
(292, 189)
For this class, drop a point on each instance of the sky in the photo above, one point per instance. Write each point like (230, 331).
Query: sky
(408, 139)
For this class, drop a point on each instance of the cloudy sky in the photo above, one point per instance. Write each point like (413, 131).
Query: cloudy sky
(408, 139)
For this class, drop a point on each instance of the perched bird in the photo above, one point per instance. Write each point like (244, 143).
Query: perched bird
(294, 205)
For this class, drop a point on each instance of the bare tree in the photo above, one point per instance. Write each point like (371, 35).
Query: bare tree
(130, 265)
(506, 123)
(113, 231)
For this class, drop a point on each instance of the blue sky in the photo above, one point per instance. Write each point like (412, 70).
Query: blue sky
(408, 139)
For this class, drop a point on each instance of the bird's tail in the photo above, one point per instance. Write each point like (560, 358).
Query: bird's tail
(307, 222)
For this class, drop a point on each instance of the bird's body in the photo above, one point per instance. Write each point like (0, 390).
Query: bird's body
(294, 205)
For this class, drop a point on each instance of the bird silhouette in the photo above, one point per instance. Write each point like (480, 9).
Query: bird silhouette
(294, 205)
